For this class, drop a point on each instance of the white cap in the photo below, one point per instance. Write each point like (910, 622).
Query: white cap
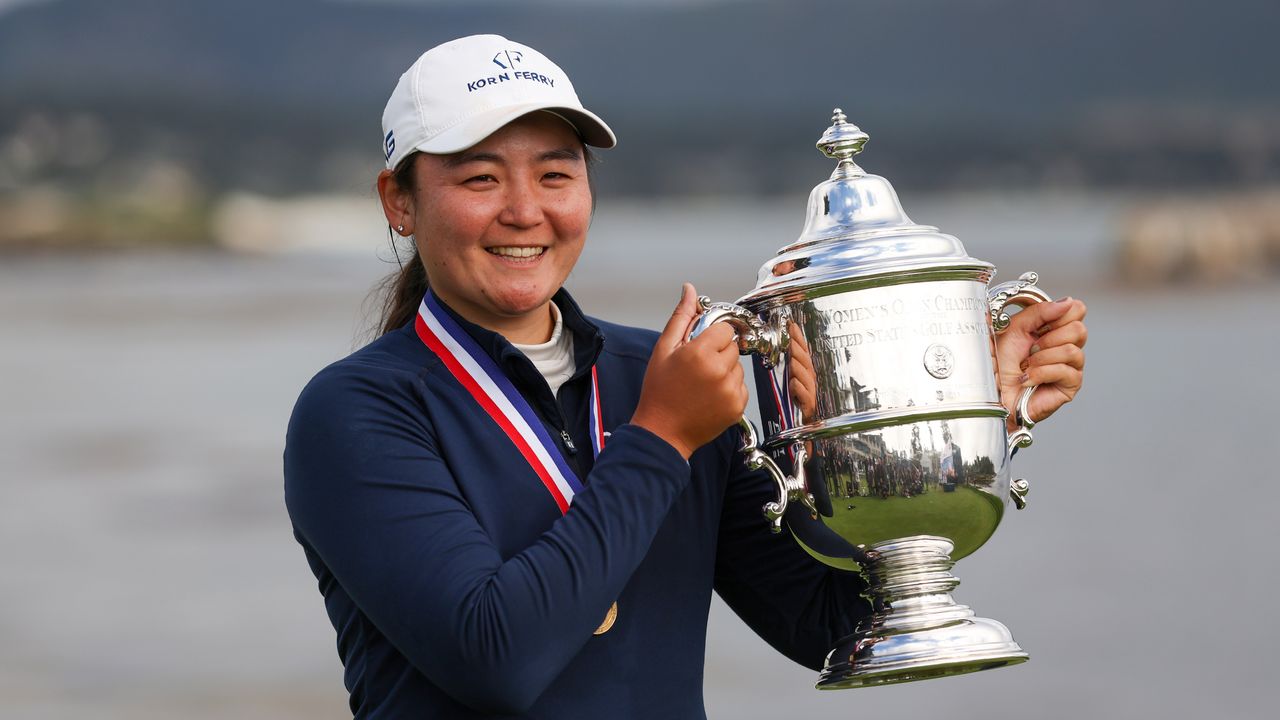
(459, 93)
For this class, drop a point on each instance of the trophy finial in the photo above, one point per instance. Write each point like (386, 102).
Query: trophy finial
(841, 142)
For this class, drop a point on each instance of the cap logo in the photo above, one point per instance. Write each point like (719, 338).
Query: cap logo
(512, 57)
(389, 143)
(526, 75)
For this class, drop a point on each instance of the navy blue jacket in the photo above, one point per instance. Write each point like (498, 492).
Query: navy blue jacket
(458, 589)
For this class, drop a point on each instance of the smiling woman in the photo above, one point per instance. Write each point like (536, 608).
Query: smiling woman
(474, 557)
(513, 509)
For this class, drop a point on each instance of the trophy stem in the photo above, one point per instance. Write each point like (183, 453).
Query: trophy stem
(917, 631)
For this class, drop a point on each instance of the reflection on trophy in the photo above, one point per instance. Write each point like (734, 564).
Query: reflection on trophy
(894, 440)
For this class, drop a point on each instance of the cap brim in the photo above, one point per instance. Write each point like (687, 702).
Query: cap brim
(471, 131)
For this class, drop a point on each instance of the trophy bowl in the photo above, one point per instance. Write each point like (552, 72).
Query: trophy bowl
(900, 449)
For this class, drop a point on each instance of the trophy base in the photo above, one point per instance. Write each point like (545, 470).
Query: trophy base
(919, 632)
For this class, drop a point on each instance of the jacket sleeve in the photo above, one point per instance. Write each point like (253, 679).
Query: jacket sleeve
(366, 487)
(799, 605)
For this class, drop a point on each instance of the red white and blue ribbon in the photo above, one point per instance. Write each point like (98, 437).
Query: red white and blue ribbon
(494, 392)
(782, 396)
(594, 423)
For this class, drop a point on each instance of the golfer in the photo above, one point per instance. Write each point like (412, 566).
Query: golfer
(513, 508)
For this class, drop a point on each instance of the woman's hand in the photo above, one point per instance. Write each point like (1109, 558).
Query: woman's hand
(1043, 345)
(693, 389)
(804, 381)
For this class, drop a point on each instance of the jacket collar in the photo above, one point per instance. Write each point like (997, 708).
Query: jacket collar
(588, 342)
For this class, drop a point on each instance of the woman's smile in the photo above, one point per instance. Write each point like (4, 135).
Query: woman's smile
(518, 255)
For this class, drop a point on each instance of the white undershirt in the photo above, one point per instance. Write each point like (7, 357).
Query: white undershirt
(553, 358)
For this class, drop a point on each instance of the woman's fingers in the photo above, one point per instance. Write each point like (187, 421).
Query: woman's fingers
(1041, 315)
(799, 349)
(1068, 354)
(718, 339)
(803, 397)
(804, 380)
(1073, 333)
(1043, 346)
(1074, 315)
(1058, 383)
(1064, 376)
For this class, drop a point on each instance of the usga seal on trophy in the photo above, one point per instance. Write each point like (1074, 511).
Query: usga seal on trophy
(902, 458)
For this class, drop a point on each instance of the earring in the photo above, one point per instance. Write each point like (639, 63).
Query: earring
(400, 229)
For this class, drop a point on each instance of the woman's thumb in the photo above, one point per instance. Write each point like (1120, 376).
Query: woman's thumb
(677, 328)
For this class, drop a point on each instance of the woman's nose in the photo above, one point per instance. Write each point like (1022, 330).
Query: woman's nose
(523, 209)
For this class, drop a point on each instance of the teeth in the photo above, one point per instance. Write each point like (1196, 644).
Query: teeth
(517, 252)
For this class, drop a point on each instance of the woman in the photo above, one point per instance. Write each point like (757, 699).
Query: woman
(430, 474)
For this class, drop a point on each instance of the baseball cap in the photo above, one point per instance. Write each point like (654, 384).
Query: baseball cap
(459, 93)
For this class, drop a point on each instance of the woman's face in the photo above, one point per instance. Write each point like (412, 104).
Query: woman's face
(500, 225)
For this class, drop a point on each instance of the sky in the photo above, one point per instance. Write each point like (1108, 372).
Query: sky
(6, 5)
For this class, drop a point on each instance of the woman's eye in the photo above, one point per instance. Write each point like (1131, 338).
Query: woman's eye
(480, 179)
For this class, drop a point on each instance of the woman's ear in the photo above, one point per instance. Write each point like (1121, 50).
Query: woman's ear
(397, 203)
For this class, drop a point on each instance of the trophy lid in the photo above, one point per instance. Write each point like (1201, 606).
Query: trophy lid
(857, 234)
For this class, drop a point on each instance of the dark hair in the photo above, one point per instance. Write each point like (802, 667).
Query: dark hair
(401, 292)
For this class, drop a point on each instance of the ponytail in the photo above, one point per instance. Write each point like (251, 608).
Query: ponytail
(402, 291)
(403, 294)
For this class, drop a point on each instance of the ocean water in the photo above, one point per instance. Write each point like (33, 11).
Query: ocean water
(149, 570)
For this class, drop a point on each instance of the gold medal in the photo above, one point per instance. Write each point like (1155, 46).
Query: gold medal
(609, 619)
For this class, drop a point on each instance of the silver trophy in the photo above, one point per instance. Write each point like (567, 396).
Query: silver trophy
(900, 452)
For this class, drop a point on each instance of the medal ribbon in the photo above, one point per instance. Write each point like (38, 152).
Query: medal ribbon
(782, 396)
(494, 392)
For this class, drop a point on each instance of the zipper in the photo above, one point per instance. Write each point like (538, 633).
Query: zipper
(561, 425)
(568, 442)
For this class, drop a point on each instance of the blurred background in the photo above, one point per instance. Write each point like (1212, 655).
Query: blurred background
(188, 231)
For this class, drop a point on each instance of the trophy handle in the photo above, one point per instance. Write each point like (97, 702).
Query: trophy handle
(1022, 292)
(756, 336)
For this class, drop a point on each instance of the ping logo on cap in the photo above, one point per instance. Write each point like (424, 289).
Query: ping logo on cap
(389, 143)
(512, 57)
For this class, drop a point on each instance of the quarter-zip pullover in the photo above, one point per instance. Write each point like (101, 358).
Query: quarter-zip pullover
(457, 588)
